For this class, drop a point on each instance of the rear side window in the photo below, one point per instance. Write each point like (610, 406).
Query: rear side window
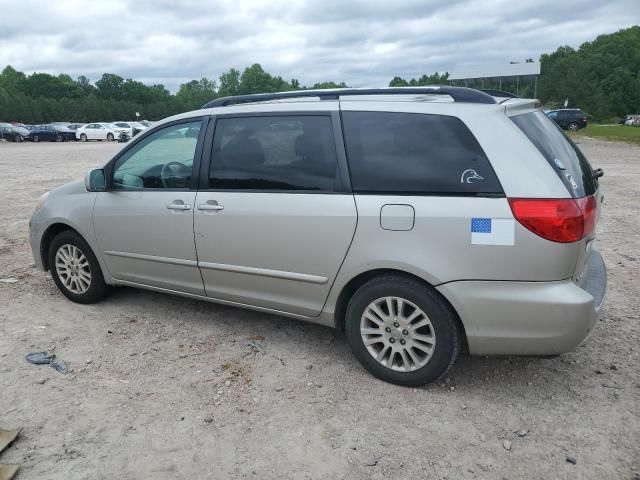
(410, 153)
(562, 154)
(274, 153)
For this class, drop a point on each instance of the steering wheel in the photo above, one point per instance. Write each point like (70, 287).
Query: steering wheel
(174, 175)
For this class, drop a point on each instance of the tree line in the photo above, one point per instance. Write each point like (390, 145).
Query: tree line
(602, 77)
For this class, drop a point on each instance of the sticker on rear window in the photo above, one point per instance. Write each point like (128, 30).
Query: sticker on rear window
(492, 231)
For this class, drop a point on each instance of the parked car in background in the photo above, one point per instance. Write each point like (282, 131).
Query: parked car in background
(146, 123)
(422, 221)
(75, 126)
(99, 131)
(631, 120)
(50, 133)
(133, 128)
(569, 118)
(13, 133)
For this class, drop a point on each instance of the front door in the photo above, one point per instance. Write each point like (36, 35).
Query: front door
(144, 221)
(274, 221)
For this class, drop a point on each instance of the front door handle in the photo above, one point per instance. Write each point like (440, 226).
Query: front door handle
(210, 205)
(178, 206)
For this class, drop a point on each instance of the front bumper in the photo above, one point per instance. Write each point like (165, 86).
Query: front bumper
(529, 318)
(36, 230)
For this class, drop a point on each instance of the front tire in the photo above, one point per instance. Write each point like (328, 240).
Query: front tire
(75, 269)
(59, 138)
(36, 138)
(83, 137)
(573, 127)
(110, 137)
(402, 331)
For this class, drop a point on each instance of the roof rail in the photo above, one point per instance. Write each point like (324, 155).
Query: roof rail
(458, 94)
(498, 93)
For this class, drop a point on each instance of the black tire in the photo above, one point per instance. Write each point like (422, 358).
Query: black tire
(444, 322)
(36, 138)
(59, 138)
(97, 289)
(83, 137)
(109, 137)
(17, 138)
(574, 127)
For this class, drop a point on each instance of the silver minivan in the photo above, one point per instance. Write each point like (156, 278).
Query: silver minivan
(421, 221)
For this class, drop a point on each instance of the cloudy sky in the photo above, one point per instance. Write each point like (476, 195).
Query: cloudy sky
(364, 43)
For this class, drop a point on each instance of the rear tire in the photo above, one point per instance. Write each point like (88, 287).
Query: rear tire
(109, 137)
(36, 138)
(574, 127)
(399, 349)
(83, 137)
(75, 269)
(59, 138)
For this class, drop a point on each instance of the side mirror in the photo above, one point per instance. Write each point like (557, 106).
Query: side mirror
(95, 181)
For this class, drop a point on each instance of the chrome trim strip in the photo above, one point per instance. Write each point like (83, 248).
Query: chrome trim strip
(153, 258)
(264, 272)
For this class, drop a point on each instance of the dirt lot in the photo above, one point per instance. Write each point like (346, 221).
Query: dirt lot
(166, 388)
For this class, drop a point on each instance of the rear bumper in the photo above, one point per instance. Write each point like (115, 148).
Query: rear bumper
(529, 318)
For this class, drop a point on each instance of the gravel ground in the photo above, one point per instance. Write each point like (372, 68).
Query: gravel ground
(163, 387)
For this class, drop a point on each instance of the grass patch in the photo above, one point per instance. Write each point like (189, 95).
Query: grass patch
(619, 133)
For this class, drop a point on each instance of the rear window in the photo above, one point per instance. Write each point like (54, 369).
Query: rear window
(562, 154)
(410, 153)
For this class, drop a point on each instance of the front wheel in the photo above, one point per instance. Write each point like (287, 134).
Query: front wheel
(402, 331)
(59, 138)
(573, 127)
(75, 269)
(110, 137)
(83, 137)
(36, 138)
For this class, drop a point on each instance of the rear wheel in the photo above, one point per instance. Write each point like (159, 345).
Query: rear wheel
(402, 331)
(83, 137)
(17, 138)
(59, 138)
(75, 269)
(36, 138)
(109, 137)
(574, 127)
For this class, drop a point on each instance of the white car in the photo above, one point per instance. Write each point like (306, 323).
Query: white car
(133, 128)
(99, 131)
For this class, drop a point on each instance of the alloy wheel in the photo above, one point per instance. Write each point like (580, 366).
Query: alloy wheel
(397, 334)
(72, 267)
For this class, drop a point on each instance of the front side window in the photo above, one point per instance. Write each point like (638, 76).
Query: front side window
(274, 153)
(164, 159)
(410, 153)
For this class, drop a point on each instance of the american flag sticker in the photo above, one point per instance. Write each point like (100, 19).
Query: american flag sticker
(492, 231)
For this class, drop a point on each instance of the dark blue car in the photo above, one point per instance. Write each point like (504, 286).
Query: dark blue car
(51, 133)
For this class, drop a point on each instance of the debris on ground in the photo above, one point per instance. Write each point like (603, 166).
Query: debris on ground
(571, 460)
(506, 445)
(8, 280)
(44, 358)
(7, 472)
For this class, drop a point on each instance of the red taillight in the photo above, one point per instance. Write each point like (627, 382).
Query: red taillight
(562, 220)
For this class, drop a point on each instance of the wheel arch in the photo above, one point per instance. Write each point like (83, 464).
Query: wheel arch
(356, 282)
(47, 237)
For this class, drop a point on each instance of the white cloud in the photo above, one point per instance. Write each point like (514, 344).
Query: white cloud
(364, 43)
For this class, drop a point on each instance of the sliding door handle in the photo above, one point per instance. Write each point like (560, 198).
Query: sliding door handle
(210, 205)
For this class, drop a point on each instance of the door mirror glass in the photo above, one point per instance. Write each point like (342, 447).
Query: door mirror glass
(94, 180)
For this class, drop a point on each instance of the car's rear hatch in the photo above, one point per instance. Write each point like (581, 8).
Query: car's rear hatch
(576, 174)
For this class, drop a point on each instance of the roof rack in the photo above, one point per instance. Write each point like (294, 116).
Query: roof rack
(498, 93)
(458, 94)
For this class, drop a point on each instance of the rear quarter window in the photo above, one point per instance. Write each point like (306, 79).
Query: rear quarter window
(563, 155)
(409, 153)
